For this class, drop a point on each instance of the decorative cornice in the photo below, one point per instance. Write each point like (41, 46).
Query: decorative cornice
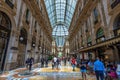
(108, 42)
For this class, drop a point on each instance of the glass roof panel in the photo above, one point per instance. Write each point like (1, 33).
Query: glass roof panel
(60, 29)
(60, 13)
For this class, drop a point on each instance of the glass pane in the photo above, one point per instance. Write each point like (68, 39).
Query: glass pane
(100, 33)
(60, 15)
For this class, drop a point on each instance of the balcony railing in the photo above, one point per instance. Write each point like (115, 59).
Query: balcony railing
(115, 3)
(10, 3)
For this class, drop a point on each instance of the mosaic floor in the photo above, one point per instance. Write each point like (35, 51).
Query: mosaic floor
(64, 73)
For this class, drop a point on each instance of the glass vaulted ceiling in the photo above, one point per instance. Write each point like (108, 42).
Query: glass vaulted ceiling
(60, 13)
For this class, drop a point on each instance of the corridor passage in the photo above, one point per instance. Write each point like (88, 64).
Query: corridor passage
(47, 73)
(86, 33)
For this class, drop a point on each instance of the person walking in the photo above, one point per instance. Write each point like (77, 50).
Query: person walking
(55, 61)
(46, 62)
(31, 63)
(42, 62)
(52, 64)
(83, 70)
(65, 60)
(78, 61)
(27, 63)
(73, 62)
(58, 63)
(90, 66)
(99, 69)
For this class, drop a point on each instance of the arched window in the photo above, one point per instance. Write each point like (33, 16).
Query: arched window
(5, 21)
(10, 3)
(89, 41)
(100, 35)
(35, 26)
(116, 26)
(95, 12)
(27, 16)
(23, 36)
(114, 3)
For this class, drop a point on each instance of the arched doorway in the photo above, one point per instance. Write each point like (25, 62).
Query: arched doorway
(5, 29)
(22, 48)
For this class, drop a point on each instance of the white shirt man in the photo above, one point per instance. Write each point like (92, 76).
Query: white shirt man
(55, 59)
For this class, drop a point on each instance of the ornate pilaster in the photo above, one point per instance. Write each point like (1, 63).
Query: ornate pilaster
(11, 59)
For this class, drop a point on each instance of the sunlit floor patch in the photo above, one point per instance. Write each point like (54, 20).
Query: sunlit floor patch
(61, 69)
(54, 78)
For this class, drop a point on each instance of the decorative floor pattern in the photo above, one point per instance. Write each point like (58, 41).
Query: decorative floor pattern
(64, 73)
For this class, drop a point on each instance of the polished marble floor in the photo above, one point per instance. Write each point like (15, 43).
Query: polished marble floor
(47, 73)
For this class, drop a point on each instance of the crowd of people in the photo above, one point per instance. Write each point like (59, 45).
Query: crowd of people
(104, 70)
(56, 62)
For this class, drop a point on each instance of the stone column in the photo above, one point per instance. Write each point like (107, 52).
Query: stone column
(11, 58)
(36, 49)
